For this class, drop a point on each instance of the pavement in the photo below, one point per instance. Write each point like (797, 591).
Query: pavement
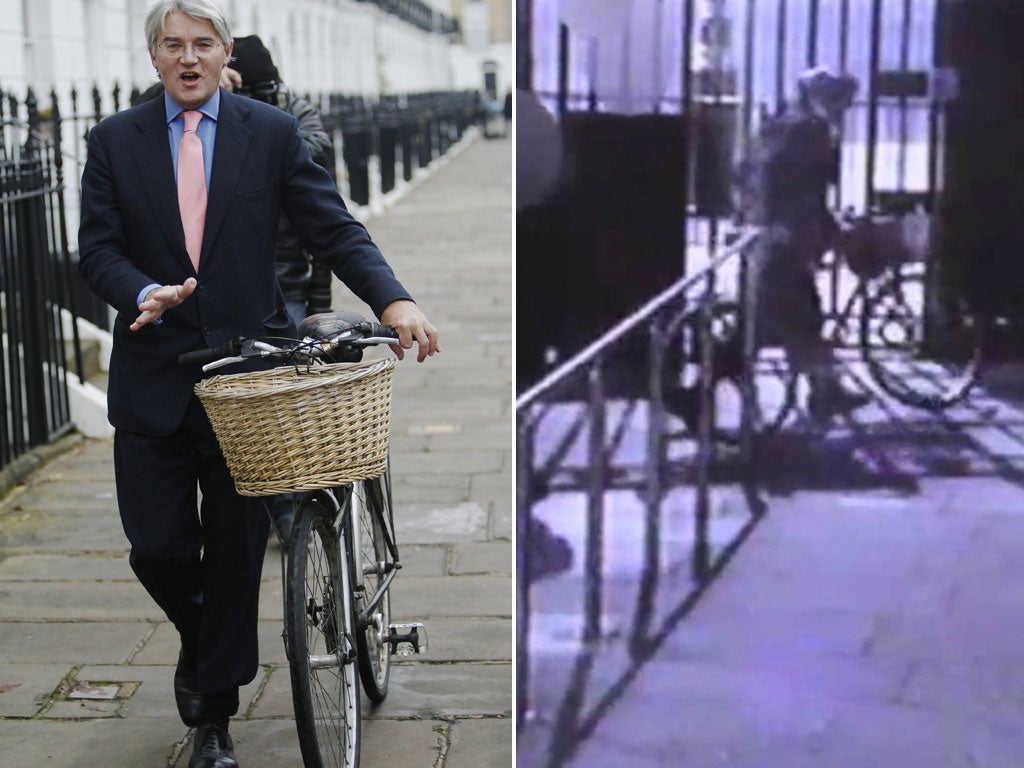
(76, 628)
(872, 618)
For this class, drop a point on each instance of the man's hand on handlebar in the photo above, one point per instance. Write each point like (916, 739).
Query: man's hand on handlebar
(161, 299)
(412, 325)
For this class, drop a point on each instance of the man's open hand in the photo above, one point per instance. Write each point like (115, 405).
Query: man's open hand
(161, 299)
(412, 325)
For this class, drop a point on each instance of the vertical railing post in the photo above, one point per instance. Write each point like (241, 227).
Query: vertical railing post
(32, 247)
(812, 33)
(653, 490)
(901, 169)
(594, 558)
(64, 255)
(705, 425)
(689, 124)
(748, 75)
(524, 512)
(780, 58)
(563, 72)
(872, 136)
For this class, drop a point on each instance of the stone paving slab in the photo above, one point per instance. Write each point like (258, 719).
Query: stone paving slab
(76, 600)
(448, 690)
(436, 489)
(483, 558)
(25, 689)
(423, 560)
(55, 496)
(61, 567)
(113, 743)
(87, 710)
(503, 521)
(423, 523)
(483, 744)
(465, 596)
(46, 531)
(474, 462)
(95, 642)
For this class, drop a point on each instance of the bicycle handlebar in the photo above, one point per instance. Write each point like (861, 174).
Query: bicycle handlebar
(227, 349)
(334, 335)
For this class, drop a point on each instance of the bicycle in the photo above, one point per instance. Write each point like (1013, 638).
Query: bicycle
(316, 426)
(894, 333)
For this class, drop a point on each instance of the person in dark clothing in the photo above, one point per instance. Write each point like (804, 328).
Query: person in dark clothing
(306, 284)
(782, 187)
(508, 110)
(180, 201)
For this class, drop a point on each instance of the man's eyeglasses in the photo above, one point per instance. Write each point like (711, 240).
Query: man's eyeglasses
(201, 48)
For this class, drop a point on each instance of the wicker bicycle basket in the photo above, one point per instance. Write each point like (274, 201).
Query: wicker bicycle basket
(291, 429)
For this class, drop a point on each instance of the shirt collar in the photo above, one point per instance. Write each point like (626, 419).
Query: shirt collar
(210, 108)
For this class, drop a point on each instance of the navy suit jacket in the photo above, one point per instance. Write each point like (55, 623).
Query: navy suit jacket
(131, 236)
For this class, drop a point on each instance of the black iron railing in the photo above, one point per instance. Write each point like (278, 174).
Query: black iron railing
(35, 284)
(574, 429)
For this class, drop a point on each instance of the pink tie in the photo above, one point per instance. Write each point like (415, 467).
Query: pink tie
(192, 187)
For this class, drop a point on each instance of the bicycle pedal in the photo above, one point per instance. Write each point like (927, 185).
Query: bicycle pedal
(407, 639)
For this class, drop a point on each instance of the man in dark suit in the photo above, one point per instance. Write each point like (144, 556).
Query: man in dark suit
(177, 290)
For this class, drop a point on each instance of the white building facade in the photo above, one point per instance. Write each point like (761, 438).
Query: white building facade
(340, 46)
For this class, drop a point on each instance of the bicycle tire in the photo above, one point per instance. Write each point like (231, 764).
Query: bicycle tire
(896, 352)
(766, 420)
(319, 624)
(373, 562)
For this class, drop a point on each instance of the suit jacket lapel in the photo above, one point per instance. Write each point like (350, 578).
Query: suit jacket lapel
(230, 149)
(153, 157)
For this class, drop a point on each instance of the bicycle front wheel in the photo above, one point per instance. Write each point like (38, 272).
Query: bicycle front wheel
(321, 637)
(928, 367)
(374, 562)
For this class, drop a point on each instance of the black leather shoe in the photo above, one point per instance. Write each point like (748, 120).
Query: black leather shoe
(212, 748)
(187, 695)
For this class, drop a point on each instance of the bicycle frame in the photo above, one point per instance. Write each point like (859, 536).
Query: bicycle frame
(348, 536)
(355, 531)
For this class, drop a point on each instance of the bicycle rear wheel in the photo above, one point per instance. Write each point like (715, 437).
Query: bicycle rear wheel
(374, 561)
(930, 368)
(321, 637)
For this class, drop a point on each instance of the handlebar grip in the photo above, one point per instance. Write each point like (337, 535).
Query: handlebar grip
(227, 349)
(376, 329)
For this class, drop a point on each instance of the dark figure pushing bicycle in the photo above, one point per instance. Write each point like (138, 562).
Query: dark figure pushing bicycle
(782, 187)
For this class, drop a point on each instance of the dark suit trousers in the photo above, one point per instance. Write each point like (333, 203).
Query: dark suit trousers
(202, 565)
